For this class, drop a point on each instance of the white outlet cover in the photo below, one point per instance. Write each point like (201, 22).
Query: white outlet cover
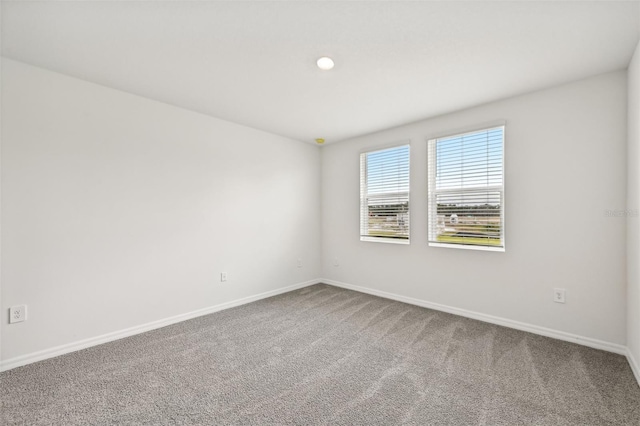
(559, 295)
(17, 314)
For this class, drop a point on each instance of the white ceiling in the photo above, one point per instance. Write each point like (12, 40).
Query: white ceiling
(253, 63)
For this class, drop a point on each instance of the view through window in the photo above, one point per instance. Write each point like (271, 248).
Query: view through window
(384, 195)
(466, 189)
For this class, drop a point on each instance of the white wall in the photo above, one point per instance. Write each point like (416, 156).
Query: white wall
(633, 204)
(118, 210)
(565, 160)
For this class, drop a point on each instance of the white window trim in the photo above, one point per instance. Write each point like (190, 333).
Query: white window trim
(386, 240)
(467, 247)
(432, 205)
(468, 129)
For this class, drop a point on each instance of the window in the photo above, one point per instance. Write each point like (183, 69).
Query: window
(384, 195)
(466, 190)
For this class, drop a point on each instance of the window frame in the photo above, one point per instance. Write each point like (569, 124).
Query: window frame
(432, 192)
(364, 196)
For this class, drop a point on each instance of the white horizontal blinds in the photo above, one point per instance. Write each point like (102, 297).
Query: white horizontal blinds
(384, 194)
(466, 189)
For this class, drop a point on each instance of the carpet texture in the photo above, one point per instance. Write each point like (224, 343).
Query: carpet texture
(325, 355)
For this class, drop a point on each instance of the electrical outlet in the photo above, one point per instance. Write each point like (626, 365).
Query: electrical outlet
(335, 262)
(17, 314)
(299, 263)
(559, 295)
(223, 276)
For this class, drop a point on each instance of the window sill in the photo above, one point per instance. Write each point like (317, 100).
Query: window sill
(467, 247)
(385, 240)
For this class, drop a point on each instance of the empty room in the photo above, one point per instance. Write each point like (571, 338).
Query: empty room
(320, 213)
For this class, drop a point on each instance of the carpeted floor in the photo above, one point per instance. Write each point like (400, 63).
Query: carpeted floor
(324, 355)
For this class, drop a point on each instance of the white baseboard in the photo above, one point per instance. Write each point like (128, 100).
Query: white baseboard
(93, 341)
(560, 335)
(635, 367)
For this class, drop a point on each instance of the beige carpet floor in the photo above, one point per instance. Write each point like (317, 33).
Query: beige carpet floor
(325, 355)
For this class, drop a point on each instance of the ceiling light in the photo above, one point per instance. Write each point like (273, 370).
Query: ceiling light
(325, 63)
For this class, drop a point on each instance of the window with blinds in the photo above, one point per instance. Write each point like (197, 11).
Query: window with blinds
(466, 190)
(384, 195)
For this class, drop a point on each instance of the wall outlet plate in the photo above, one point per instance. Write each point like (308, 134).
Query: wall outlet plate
(223, 276)
(17, 314)
(559, 295)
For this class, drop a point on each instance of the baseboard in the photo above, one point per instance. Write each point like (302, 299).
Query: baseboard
(635, 367)
(560, 335)
(98, 340)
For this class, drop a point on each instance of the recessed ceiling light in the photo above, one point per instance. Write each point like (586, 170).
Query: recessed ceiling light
(325, 63)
